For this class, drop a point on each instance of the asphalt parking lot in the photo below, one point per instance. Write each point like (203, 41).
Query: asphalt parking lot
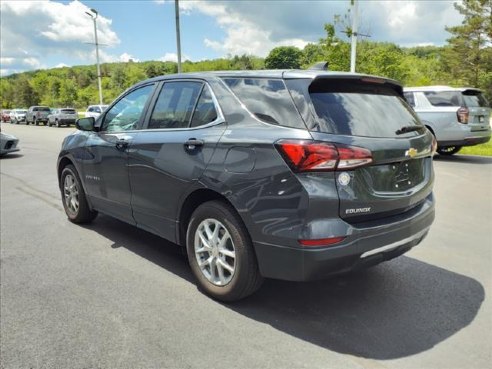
(109, 295)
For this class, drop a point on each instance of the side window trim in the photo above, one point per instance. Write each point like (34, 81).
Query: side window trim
(196, 104)
(102, 116)
(220, 116)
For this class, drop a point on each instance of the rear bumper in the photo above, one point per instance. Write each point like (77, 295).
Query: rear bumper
(468, 141)
(367, 244)
(67, 121)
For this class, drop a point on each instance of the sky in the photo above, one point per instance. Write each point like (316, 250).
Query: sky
(47, 34)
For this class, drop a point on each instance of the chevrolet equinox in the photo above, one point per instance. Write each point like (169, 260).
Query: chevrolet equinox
(293, 175)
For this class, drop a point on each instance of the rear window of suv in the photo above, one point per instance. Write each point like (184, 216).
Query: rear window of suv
(267, 99)
(474, 99)
(359, 109)
(42, 108)
(67, 111)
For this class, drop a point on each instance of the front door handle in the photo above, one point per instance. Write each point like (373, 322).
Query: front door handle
(193, 143)
(122, 144)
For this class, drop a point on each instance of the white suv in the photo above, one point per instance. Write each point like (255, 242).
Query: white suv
(456, 116)
(95, 110)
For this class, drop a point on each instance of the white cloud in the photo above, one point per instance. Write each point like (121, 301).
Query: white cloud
(173, 57)
(256, 27)
(34, 30)
(61, 65)
(125, 57)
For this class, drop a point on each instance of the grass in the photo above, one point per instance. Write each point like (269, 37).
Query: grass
(483, 149)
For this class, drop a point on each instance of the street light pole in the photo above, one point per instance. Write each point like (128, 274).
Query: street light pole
(355, 21)
(94, 17)
(178, 37)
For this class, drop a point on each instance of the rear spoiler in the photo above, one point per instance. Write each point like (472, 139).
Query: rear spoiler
(374, 80)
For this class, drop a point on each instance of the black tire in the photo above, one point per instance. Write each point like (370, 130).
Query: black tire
(246, 278)
(448, 150)
(83, 214)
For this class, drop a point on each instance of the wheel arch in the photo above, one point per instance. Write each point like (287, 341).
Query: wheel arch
(191, 202)
(61, 165)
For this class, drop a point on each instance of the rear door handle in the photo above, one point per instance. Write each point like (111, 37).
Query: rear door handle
(193, 143)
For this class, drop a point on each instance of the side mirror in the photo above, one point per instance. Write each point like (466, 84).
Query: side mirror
(85, 124)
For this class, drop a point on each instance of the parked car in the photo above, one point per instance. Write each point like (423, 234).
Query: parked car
(95, 110)
(8, 144)
(62, 116)
(17, 116)
(38, 114)
(456, 116)
(5, 116)
(293, 175)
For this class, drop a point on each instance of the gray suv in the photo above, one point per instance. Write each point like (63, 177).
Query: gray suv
(293, 175)
(456, 116)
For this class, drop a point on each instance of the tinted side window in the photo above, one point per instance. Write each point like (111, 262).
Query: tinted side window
(267, 99)
(444, 98)
(127, 112)
(409, 98)
(205, 109)
(174, 106)
(91, 109)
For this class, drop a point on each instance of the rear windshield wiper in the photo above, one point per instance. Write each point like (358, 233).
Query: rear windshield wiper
(407, 129)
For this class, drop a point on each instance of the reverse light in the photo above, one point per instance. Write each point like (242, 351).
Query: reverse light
(433, 146)
(321, 242)
(313, 156)
(463, 115)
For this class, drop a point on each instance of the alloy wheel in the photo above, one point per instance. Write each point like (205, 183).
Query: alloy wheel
(215, 252)
(71, 194)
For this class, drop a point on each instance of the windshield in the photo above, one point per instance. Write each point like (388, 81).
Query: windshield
(68, 111)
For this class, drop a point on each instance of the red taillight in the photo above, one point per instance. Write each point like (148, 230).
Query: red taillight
(312, 156)
(463, 114)
(321, 242)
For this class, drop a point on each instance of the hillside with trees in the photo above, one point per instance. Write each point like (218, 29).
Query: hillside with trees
(466, 60)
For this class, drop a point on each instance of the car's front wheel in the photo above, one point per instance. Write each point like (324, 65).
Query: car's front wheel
(448, 150)
(221, 254)
(74, 198)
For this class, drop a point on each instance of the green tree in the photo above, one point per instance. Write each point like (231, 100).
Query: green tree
(25, 96)
(284, 57)
(468, 56)
(68, 93)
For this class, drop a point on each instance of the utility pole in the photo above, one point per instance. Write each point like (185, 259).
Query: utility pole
(355, 21)
(178, 38)
(94, 17)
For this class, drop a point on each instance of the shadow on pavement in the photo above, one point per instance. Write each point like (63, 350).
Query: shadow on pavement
(468, 159)
(394, 310)
(11, 156)
(153, 248)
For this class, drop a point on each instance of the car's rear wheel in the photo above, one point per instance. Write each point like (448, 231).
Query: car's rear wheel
(73, 196)
(221, 254)
(448, 150)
